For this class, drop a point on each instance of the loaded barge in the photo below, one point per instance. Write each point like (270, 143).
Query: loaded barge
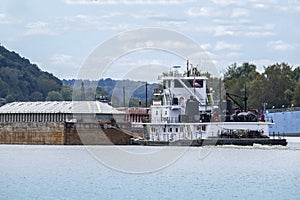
(63, 123)
(183, 113)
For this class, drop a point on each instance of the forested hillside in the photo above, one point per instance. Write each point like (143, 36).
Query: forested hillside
(21, 80)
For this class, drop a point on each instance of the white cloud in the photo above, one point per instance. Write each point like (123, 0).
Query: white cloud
(265, 30)
(146, 14)
(39, 28)
(79, 22)
(164, 45)
(241, 27)
(221, 45)
(280, 45)
(233, 54)
(112, 14)
(61, 59)
(76, 23)
(217, 12)
(86, 23)
(259, 5)
(289, 6)
(259, 34)
(62, 65)
(169, 44)
(248, 3)
(206, 46)
(4, 19)
(235, 21)
(203, 12)
(223, 31)
(160, 18)
(239, 12)
(294, 4)
(128, 2)
(263, 27)
(228, 2)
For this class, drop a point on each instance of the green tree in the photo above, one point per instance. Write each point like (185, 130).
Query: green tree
(54, 96)
(237, 79)
(66, 93)
(101, 92)
(4, 88)
(256, 91)
(279, 84)
(274, 86)
(36, 96)
(296, 74)
(45, 85)
(296, 95)
(9, 98)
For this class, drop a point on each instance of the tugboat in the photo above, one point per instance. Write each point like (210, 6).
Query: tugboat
(183, 113)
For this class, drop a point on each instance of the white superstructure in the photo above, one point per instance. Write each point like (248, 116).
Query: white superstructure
(184, 109)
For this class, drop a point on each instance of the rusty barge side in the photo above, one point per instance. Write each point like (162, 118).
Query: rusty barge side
(61, 133)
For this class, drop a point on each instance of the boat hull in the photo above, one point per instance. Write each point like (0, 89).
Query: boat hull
(213, 142)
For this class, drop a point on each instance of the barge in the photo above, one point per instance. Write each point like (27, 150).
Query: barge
(63, 123)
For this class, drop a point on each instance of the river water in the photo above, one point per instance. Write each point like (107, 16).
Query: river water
(76, 172)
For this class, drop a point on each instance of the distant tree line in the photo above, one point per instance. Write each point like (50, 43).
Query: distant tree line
(117, 92)
(277, 86)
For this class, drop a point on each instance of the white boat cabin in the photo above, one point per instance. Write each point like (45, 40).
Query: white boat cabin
(182, 110)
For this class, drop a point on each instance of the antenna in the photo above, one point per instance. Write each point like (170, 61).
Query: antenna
(187, 68)
(123, 96)
(146, 94)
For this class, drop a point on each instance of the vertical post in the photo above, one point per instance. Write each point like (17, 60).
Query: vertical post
(220, 90)
(187, 68)
(123, 96)
(146, 94)
(245, 98)
(82, 92)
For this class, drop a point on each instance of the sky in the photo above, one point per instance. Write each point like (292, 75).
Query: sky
(60, 35)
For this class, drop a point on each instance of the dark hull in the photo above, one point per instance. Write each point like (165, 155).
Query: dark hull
(214, 141)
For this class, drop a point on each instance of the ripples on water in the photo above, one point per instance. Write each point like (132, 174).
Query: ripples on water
(227, 172)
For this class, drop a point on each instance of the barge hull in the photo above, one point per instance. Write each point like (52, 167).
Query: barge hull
(213, 142)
